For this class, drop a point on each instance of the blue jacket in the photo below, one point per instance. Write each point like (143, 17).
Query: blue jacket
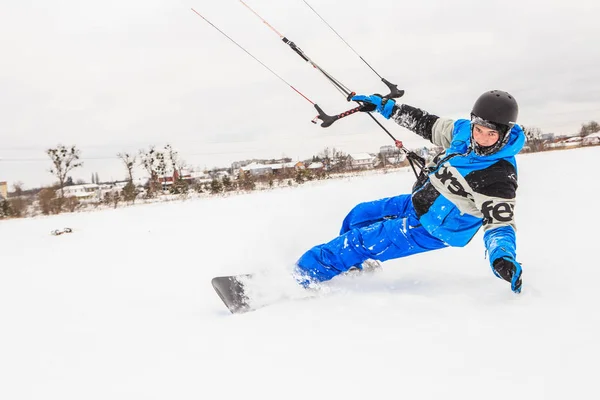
(460, 191)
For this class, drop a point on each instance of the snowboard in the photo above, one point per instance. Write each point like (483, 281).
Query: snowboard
(231, 291)
(241, 293)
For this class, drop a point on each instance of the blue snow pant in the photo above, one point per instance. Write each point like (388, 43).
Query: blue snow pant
(381, 230)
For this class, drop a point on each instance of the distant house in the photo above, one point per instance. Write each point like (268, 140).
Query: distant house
(573, 141)
(168, 180)
(361, 160)
(281, 168)
(316, 166)
(397, 159)
(547, 136)
(3, 190)
(138, 183)
(236, 165)
(88, 192)
(591, 140)
(390, 155)
(389, 149)
(200, 177)
(257, 169)
(222, 174)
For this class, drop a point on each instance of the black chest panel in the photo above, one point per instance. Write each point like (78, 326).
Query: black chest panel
(497, 180)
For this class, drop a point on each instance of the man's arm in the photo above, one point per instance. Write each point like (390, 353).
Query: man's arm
(431, 127)
(500, 243)
(496, 202)
(500, 232)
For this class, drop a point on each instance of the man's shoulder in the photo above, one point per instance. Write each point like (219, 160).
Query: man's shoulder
(462, 126)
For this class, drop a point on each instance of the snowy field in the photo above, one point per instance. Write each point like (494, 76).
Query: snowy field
(122, 308)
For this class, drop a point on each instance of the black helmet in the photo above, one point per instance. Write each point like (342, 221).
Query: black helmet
(498, 107)
(497, 110)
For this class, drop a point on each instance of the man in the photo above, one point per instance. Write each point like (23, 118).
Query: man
(472, 184)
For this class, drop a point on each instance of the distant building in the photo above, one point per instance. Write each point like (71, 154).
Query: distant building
(257, 169)
(281, 168)
(221, 174)
(201, 177)
(573, 141)
(547, 136)
(3, 190)
(84, 193)
(236, 165)
(361, 160)
(591, 140)
(389, 149)
(168, 180)
(316, 166)
(390, 155)
(397, 159)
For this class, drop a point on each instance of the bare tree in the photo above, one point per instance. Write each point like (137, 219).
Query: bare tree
(18, 188)
(6, 210)
(589, 128)
(177, 163)
(532, 132)
(173, 157)
(534, 138)
(129, 191)
(129, 161)
(161, 164)
(47, 201)
(19, 201)
(325, 154)
(216, 186)
(64, 159)
(228, 184)
(150, 161)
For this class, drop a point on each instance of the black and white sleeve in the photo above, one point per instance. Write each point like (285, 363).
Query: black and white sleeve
(431, 127)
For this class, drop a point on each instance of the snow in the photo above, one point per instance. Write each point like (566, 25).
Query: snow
(122, 308)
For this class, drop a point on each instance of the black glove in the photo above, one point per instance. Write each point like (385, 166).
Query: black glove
(510, 271)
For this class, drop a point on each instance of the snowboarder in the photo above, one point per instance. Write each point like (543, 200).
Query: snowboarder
(472, 184)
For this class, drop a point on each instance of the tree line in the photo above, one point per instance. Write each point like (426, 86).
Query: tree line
(161, 162)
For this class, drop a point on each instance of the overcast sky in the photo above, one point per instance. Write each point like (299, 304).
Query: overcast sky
(118, 76)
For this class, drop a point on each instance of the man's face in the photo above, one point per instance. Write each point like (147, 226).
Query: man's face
(485, 137)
